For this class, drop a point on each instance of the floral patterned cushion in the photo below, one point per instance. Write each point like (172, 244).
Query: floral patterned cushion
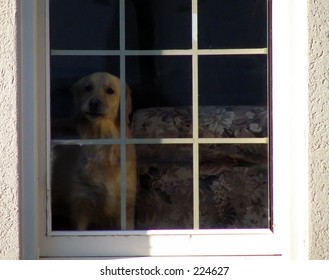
(233, 178)
(214, 121)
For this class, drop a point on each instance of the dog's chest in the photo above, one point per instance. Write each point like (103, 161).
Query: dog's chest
(101, 167)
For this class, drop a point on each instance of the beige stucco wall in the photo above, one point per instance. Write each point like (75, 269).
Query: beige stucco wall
(318, 147)
(9, 211)
(319, 131)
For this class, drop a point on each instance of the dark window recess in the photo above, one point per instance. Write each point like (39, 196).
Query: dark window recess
(233, 80)
(228, 24)
(158, 24)
(159, 81)
(84, 25)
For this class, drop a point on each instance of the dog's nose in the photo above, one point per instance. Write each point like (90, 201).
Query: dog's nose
(94, 105)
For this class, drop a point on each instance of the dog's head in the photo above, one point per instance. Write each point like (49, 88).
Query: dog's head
(97, 97)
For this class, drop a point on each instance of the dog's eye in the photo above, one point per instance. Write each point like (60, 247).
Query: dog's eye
(109, 90)
(88, 88)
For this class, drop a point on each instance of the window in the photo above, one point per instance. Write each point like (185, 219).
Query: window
(182, 125)
(187, 96)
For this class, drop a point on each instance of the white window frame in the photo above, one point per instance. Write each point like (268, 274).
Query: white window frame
(289, 236)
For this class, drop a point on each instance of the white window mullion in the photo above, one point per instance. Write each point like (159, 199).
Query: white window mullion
(85, 52)
(195, 112)
(233, 51)
(264, 140)
(187, 52)
(123, 117)
(49, 142)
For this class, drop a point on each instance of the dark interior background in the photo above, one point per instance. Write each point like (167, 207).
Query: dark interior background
(162, 24)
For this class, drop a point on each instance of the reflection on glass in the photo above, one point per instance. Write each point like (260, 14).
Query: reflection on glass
(234, 190)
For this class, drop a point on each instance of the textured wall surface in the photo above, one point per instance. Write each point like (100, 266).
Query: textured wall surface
(319, 132)
(9, 222)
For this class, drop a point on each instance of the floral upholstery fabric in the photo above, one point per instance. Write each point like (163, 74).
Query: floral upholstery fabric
(233, 178)
(214, 121)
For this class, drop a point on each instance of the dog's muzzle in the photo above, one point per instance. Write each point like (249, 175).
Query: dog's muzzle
(95, 107)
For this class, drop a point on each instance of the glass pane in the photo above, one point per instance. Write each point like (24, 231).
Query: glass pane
(86, 179)
(233, 121)
(65, 72)
(158, 24)
(233, 96)
(165, 197)
(162, 95)
(86, 188)
(233, 92)
(233, 80)
(227, 24)
(234, 186)
(163, 122)
(83, 25)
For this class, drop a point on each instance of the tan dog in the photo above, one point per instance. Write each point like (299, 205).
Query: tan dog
(95, 185)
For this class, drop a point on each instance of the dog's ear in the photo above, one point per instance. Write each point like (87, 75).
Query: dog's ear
(128, 105)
